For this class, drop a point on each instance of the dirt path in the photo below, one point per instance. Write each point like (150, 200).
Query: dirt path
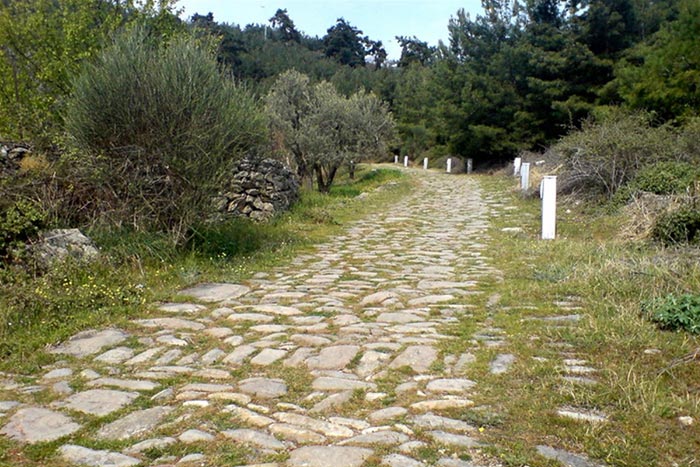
(341, 358)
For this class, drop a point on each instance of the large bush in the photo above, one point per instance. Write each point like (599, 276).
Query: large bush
(160, 122)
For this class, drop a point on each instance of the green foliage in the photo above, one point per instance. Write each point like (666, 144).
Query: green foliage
(18, 223)
(179, 123)
(675, 312)
(661, 178)
(608, 151)
(678, 227)
(44, 44)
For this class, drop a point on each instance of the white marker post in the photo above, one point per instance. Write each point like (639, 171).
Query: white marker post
(425, 163)
(405, 161)
(549, 207)
(449, 165)
(470, 166)
(396, 159)
(516, 166)
(525, 176)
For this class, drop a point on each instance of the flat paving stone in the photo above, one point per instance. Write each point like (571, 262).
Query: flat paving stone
(568, 459)
(329, 383)
(36, 425)
(263, 388)
(335, 357)
(452, 439)
(130, 384)
(279, 310)
(268, 357)
(99, 402)
(399, 460)
(378, 438)
(418, 357)
(332, 430)
(455, 385)
(135, 424)
(154, 443)
(115, 356)
(389, 413)
(501, 364)
(195, 436)
(295, 433)
(84, 456)
(186, 308)
(254, 438)
(215, 292)
(431, 422)
(90, 342)
(326, 456)
(170, 323)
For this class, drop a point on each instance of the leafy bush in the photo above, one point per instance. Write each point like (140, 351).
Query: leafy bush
(162, 122)
(18, 223)
(679, 226)
(661, 178)
(607, 152)
(675, 312)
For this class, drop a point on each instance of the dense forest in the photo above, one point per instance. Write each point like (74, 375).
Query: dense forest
(515, 77)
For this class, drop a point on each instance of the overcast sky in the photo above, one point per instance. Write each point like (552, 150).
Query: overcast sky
(378, 19)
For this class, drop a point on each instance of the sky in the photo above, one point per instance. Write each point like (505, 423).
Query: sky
(379, 19)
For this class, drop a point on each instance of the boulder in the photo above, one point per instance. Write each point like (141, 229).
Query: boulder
(58, 244)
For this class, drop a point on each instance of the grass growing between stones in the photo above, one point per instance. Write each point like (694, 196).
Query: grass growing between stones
(588, 271)
(139, 268)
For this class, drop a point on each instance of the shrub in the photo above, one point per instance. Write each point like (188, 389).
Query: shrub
(675, 312)
(661, 178)
(161, 122)
(678, 227)
(606, 152)
(18, 223)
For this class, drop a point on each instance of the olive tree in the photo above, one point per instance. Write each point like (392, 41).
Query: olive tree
(325, 130)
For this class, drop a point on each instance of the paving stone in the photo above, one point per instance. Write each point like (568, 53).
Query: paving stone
(277, 310)
(449, 462)
(250, 317)
(58, 373)
(215, 292)
(398, 317)
(295, 433)
(195, 436)
(378, 298)
(313, 341)
(8, 405)
(268, 357)
(431, 421)
(255, 438)
(418, 357)
(263, 388)
(172, 340)
(332, 402)
(379, 438)
(325, 456)
(327, 383)
(213, 356)
(568, 459)
(582, 415)
(452, 439)
(35, 424)
(170, 323)
(430, 300)
(501, 363)
(190, 458)
(155, 443)
(130, 384)
(144, 356)
(456, 385)
(187, 308)
(219, 332)
(239, 354)
(335, 357)
(90, 457)
(90, 342)
(441, 404)
(331, 430)
(115, 356)
(135, 424)
(389, 413)
(99, 402)
(248, 417)
(398, 460)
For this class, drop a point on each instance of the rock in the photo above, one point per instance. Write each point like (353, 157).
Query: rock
(268, 357)
(56, 245)
(329, 383)
(441, 404)
(335, 357)
(155, 443)
(398, 460)
(130, 384)
(686, 420)
(325, 456)
(99, 402)
(58, 373)
(255, 438)
(134, 424)
(417, 357)
(248, 417)
(331, 430)
(187, 308)
(189, 458)
(215, 292)
(331, 402)
(432, 421)
(454, 440)
(582, 415)
(115, 356)
(456, 385)
(390, 413)
(90, 342)
(90, 457)
(263, 388)
(381, 438)
(501, 363)
(296, 433)
(278, 310)
(565, 457)
(170, 323)
(35, 425)
(195, 436)
(377, 298)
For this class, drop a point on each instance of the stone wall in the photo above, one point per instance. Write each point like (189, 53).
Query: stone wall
(259, 189)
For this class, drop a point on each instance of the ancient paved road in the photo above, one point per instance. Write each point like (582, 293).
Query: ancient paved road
(332, 360)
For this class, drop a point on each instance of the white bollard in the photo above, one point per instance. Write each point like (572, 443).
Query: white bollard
(449, 165)
(549, 207)
(470, 166)
(517, 163)
(405, 161)
(525, 176)
(396, 159)
(425, 163)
